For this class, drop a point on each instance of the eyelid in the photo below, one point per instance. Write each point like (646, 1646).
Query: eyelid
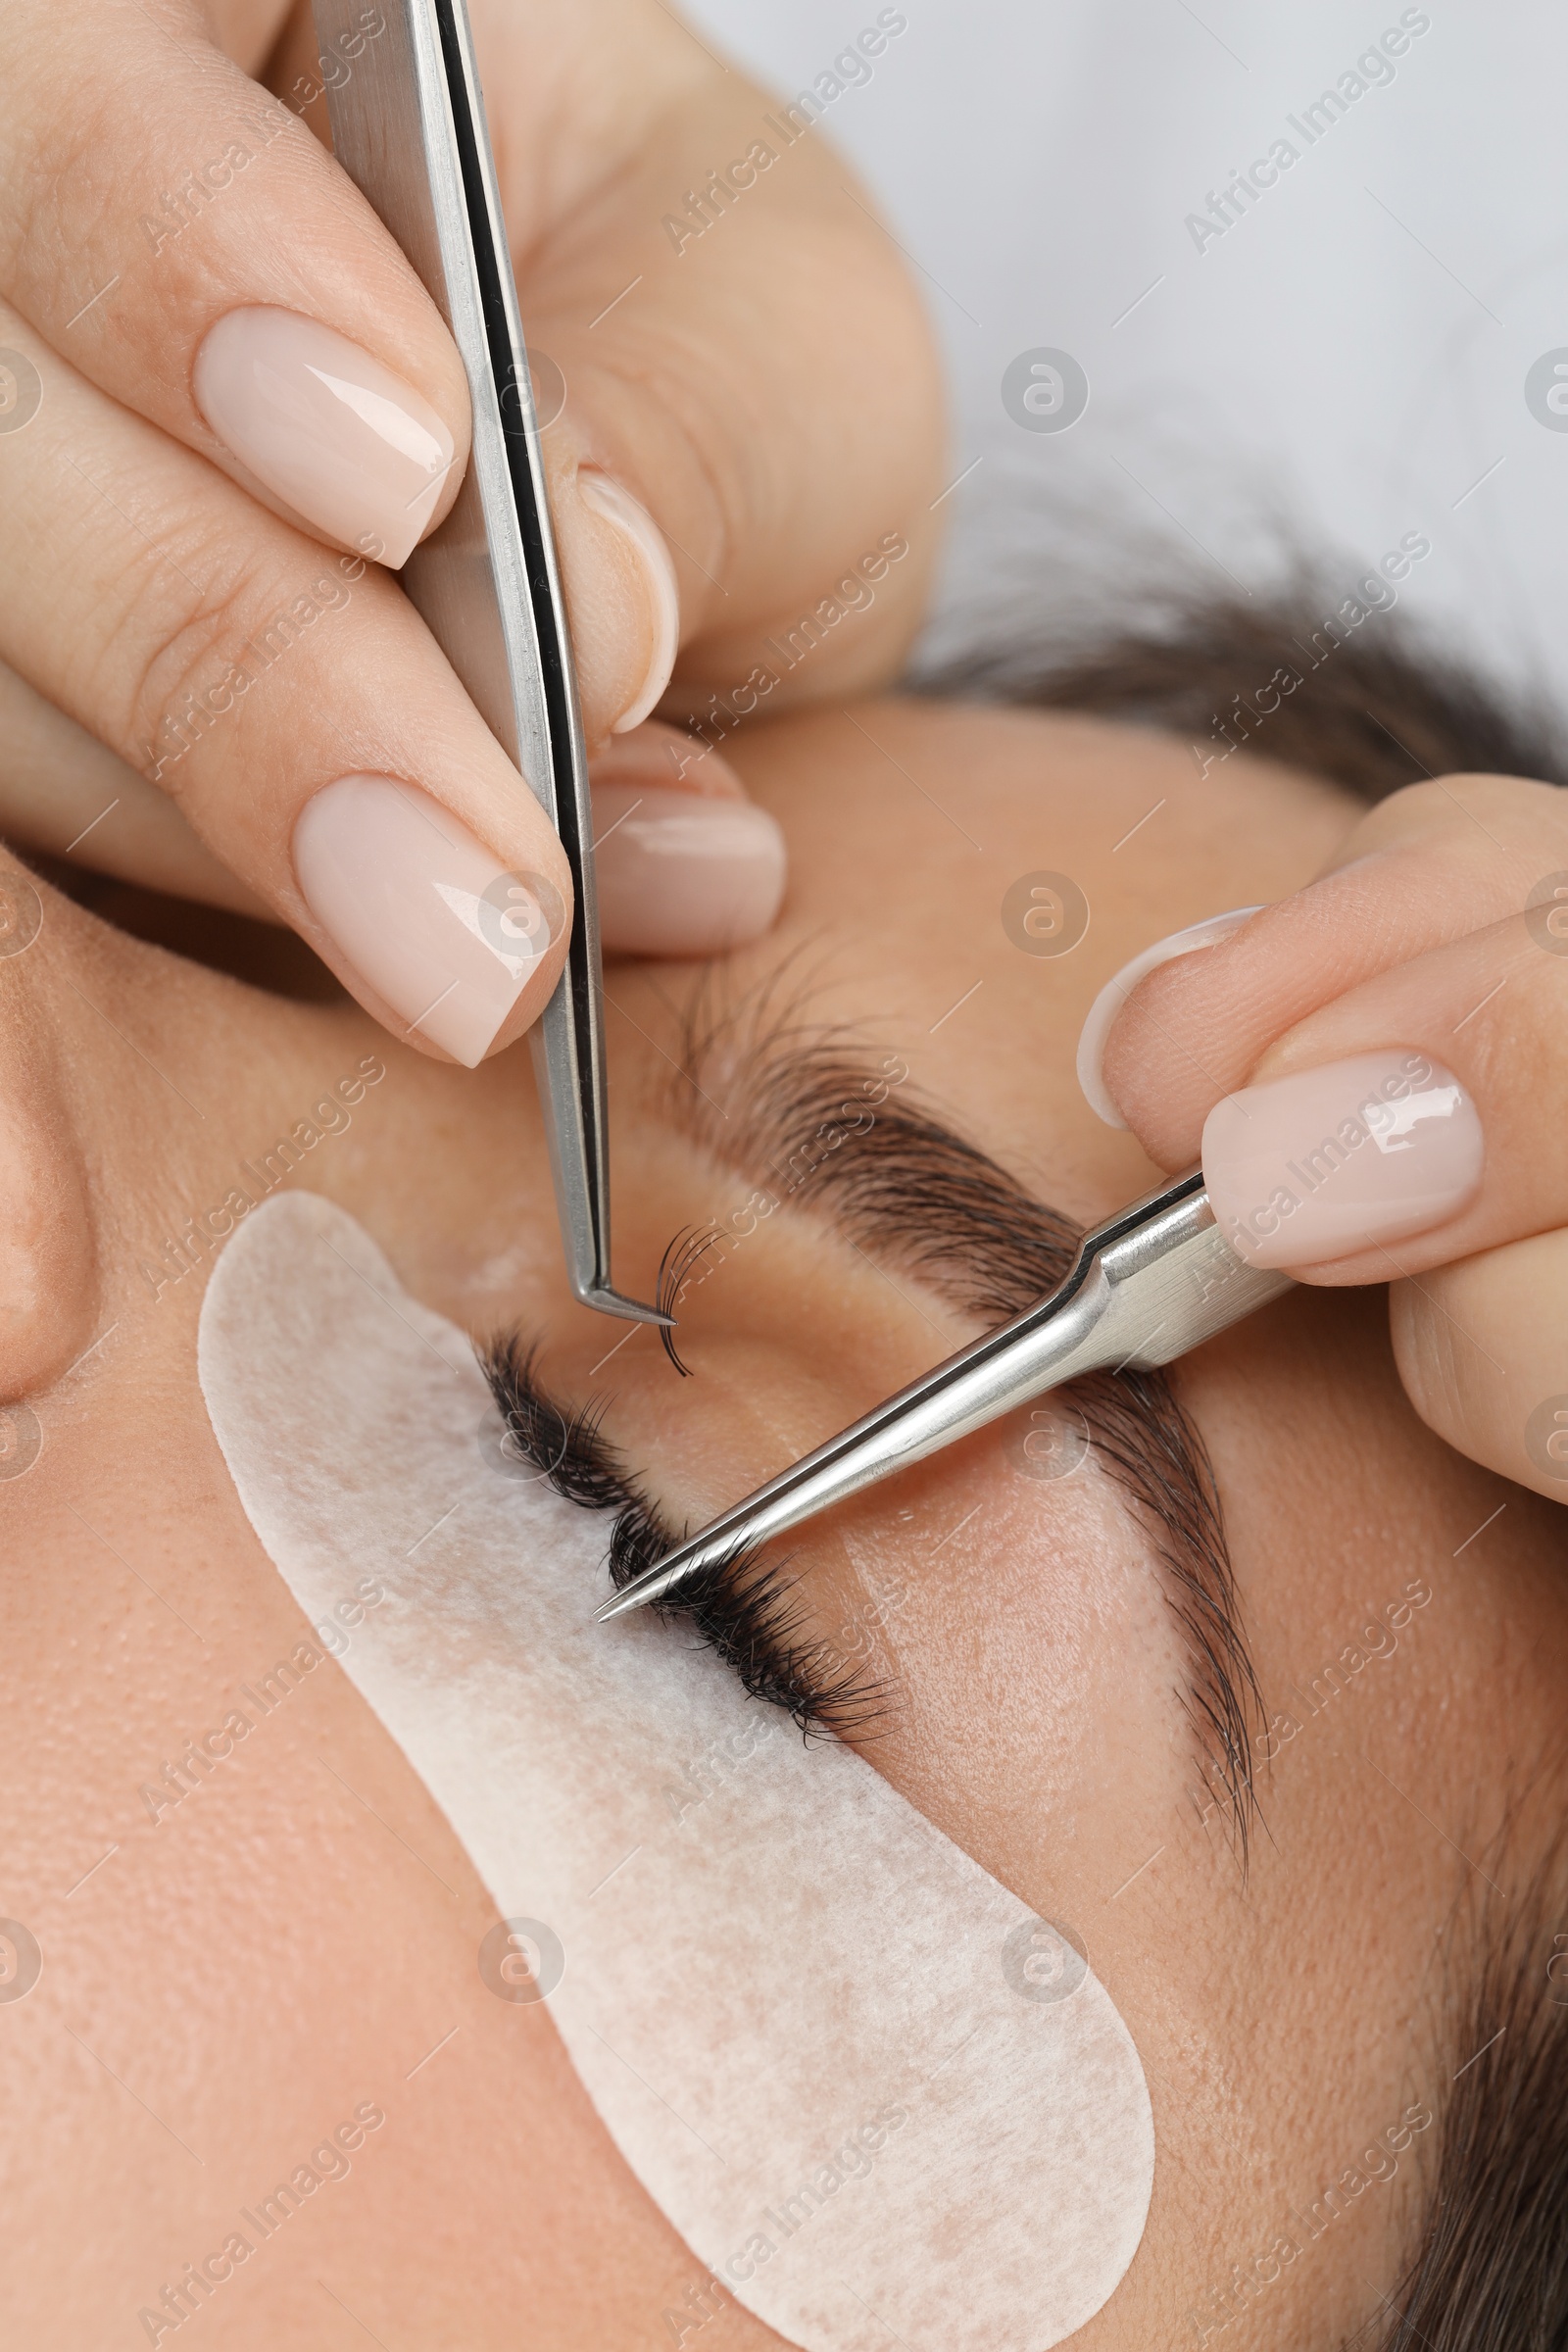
(913, 1194)
(741, 1610)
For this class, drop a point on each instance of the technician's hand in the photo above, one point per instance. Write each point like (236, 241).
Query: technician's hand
(1375, 1075)
(228, 410)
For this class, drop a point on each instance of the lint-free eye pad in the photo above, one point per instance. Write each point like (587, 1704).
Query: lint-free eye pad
(871, 2092)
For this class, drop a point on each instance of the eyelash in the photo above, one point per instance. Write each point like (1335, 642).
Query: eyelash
(914, 1194)
(742, 1608)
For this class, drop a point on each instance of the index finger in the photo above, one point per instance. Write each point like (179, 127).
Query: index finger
(1421, 871)
(1411, 1122)
(198, 255)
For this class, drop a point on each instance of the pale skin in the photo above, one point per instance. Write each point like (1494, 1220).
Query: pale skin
(767, 393)
(1443, 921)
(295, 1939)
(771, 433)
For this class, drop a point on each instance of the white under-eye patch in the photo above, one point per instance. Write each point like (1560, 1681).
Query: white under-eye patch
(875, 2095)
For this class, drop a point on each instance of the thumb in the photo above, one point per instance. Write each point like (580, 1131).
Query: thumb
(1482, 1348)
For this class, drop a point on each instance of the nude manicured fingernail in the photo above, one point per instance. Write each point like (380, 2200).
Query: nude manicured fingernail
(356, 452)
(658, 594)
(1116, 990)
(655, 753)
(1337, 1160)
(679, 874)
(423, 911)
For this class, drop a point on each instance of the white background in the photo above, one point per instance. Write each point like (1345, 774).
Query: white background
(1345, 364)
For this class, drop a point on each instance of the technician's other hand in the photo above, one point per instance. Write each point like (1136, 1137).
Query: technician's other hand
(1375, 1075)
(228, 411)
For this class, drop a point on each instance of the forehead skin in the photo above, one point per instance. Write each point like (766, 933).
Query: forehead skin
(301, 1930)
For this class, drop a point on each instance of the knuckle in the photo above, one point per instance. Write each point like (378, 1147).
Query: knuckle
(67, 141)
(199, 630)
(1433, 797)
(1512, 1055)
(1418, 812)
(1454, 802)
(168, 644)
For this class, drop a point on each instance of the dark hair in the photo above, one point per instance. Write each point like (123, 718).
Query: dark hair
(1357, 697)
(1367, 702)
(1489, 2269)
(1371, 706)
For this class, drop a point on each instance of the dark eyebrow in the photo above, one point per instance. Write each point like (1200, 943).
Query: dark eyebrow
(807, 1115)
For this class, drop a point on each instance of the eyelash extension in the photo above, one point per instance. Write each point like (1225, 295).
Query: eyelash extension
(577, 1460)
(764, 1081)
(742, 1607)
(681, 1258)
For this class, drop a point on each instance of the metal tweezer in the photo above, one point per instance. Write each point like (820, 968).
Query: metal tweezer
(407, 125)
(1158, 1279)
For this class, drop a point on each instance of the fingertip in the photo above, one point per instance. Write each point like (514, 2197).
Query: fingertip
(440, 941)
(623, 597)
(351, 449)
(1108, 1007)
(1483, 1354)
(683, 874)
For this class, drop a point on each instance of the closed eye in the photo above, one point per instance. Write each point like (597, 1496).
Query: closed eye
(794, 1110)
(741, 1606)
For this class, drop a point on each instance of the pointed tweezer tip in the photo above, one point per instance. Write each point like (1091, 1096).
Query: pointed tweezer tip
(657, 1583)
(647, 1588)
(610, 1301)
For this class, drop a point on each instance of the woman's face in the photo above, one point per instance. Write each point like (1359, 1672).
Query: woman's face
(223, 1984)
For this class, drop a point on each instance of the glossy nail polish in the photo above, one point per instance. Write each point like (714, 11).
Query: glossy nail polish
(427, 916)
(679, 873)
(356, 453)
(1342, 1158)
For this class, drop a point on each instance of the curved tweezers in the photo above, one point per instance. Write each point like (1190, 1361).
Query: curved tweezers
(1158, 1279)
